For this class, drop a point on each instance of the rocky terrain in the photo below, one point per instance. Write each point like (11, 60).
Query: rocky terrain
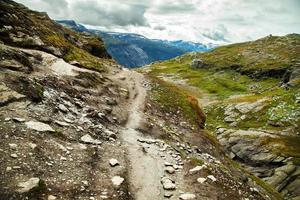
(251, 103)
(76, 125)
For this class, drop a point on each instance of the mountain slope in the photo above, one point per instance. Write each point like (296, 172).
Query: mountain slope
(249, 93)
(133, 50)
(30, 29)
(270, 56)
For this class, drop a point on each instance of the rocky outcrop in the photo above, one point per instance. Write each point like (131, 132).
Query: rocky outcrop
(25, 28)
(55, 127)
(246, 146)
(198, 64)
(234, 113)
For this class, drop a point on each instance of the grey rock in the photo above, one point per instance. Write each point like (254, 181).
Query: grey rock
(51, 197)
(110, 134)
(201, 180)
(197, 168)
(168, 184)
(168, 194)
(89, 140)
(63, 108)
(8, 95)
(251, 107)
(187, 196)
(170, 170)
(28, 185)
(229, 119)
(14, 155)
(60, 123)
(13, 146)
(264, 157)
(113, 162)
(54, 50)
(212, 178)
(11, 64)
(39, 126)
(281, 176)
(18, 119)
(167, 164)
(117, 180)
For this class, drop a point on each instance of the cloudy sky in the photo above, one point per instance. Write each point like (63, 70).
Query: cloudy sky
(217, 21)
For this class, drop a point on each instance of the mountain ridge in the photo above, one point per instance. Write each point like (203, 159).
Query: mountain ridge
(134, 50)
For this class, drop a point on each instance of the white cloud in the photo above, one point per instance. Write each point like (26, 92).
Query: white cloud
(195, 20)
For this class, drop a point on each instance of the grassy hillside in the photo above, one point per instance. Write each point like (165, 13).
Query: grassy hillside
(270, 56)
(263, 74)
(25, 28)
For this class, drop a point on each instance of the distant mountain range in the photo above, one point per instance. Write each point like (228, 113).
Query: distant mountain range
(133, 50)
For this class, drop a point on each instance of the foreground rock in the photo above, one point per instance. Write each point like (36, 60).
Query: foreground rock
(277, 170)
(117, 180)
(113, 162)
(168, 184)
(39, 126)
(187, 196)
(89, 140)
(32, 183)
(7, 95)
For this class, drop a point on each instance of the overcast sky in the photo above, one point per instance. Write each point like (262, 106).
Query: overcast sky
(218, 21)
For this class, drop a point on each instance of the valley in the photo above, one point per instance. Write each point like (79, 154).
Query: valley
(134, 50)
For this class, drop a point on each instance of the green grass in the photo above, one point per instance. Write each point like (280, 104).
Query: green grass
(195, 161)
(172, 99)
(269, 53)
(288, 146)
(222, 84)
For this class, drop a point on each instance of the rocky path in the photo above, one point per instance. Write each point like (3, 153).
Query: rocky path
(149, 162)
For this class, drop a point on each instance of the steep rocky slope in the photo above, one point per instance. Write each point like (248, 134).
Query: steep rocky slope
(29, 29)
(250, 95)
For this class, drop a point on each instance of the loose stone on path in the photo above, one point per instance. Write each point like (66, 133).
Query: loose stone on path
(113, 162)
(117, 180)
